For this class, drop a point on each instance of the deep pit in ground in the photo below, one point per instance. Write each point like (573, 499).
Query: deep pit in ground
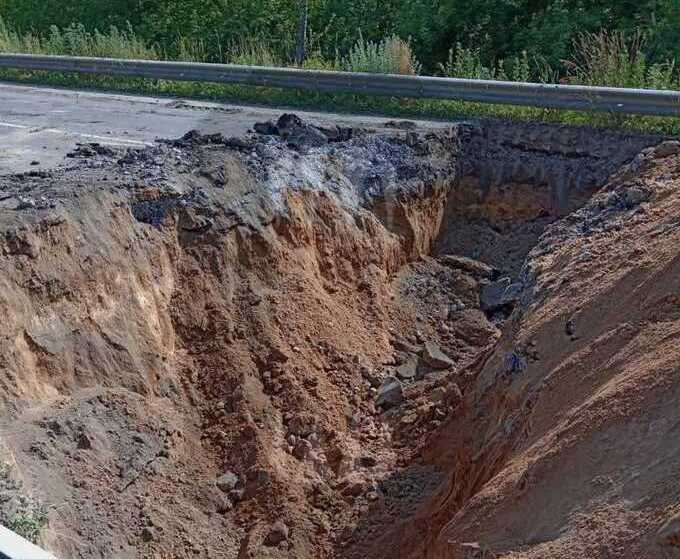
(278, 345)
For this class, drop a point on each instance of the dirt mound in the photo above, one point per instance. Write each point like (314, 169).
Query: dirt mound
(274, 346)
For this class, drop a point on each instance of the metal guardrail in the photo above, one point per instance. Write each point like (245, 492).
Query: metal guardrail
(13, 546)
(572, 97)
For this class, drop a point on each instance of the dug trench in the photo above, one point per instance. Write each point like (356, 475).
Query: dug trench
(315, 342)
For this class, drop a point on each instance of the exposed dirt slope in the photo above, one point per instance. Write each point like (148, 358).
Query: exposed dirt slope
(567, 445)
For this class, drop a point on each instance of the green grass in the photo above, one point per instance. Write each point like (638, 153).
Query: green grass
(31, 516)
(29, 524)
(604, 59)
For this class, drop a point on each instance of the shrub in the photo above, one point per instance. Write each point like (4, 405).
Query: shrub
(20, 513)
(194, 50)
(467, 63)
(253, 52)
(29, 524)
(11, 41)
(617, 60)
(390, 56)
(77, 41)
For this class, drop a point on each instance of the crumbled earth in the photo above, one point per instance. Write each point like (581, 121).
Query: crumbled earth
(314, 342)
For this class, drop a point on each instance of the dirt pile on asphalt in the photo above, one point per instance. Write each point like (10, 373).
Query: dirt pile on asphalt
(287, 344)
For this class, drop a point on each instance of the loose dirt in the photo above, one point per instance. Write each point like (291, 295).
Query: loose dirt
(313, 342)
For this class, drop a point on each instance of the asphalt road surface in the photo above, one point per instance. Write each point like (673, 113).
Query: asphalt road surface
(39, 125)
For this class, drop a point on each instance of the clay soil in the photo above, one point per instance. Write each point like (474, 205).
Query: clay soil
(330, 343)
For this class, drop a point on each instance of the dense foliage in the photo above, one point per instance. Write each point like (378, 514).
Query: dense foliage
(497, 29)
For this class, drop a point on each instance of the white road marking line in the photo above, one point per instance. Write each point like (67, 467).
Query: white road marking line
(107, 139)
(10, 125)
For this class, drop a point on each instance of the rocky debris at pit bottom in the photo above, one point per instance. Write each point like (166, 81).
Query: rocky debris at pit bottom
(499, 295)
(475, 268)
(408, 370)
(406, 346)
(435, 357)
(390, 393)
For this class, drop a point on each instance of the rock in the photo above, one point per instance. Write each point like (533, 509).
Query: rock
(370, 375)
(669, 533)
(302, 425)
(666, 149)
(84, 442)
(474, 327)
(409, 369)
(435, 357)
(227, 482)
(50, 336)
(438, 394)
(266, 128)
(472, 267)
(409, 419)
(338, 133)
(24, 243)
(390, 393)
(278, 533)
(236, 495)
(499, 295)
(454, 397)
(408, 347)
(368, 461)
(354, 489)
(400, 358)
(259, 477)
(147, 534)
(302, 449)
(514, 364)
(221, 502)
(401, 124)
(298, 133)
(25, 204)
(634, 196)
(192, 222)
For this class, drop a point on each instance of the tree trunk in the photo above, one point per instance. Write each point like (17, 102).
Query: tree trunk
(301, 32)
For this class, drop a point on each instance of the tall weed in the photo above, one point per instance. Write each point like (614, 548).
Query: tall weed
(390, 56)
(613, 58)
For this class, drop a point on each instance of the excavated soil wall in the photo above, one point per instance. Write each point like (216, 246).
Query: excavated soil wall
(260, 347)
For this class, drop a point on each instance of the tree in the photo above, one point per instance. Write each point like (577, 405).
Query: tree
(301, 34)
